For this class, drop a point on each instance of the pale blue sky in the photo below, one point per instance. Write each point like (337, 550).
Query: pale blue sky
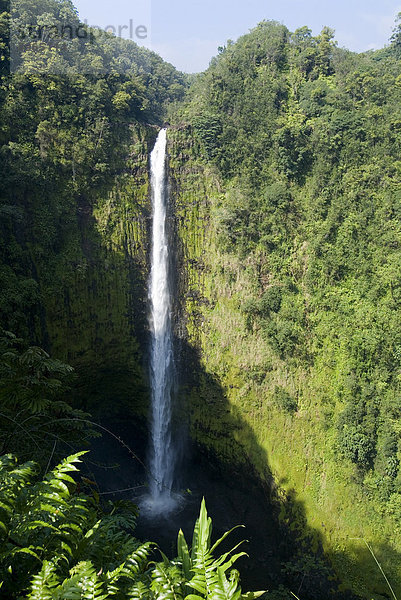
(188, 33)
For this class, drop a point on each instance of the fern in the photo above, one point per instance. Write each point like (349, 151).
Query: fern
(56, 544)
(203, 573)
(167, 582)
(61, 542)
(138, 591)
(44, 582)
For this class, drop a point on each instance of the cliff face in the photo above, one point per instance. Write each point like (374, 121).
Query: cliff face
(100, 324)
(240, 398)
(203, 399)
(88, 272)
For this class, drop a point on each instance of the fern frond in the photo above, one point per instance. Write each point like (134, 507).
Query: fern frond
(227, 589)
(44, 582)
(166, 582)
(139, 591)
(137, 560)
(183, 555)
(88, 582)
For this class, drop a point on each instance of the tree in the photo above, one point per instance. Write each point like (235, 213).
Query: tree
(395, 38)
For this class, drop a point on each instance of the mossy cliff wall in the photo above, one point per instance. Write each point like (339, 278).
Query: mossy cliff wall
(84, 250)
(232, 383)
(203, 399)
(98, 322)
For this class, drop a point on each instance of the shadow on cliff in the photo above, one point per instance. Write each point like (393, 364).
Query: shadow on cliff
(283, 549)
(304, 568)
(285, 552)
(102, 322)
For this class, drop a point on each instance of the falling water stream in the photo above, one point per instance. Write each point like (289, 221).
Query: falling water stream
(161, 459)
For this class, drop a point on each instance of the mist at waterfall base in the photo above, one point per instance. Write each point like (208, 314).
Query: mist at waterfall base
(162, 455)
(233, 497)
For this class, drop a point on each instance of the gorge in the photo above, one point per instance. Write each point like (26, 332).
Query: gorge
(278, 297)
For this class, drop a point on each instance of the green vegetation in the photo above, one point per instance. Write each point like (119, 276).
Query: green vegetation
(76, 128)
(34, 421)
(294, 292)
(285, 165)
(58, 543)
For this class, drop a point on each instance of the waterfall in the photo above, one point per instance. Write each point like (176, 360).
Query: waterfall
(161, 359)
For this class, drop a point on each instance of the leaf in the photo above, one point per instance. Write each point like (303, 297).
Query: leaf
(205, 526)
(6, 506)
(67, 548)
(71, 527)
(3, 527)
(65, 477)
(231, 561)
(199, 586)
(183, 554)
(166, 561)
(27, 551)
(37, 524)
(91, 531)
(227, 589)
(223, 537)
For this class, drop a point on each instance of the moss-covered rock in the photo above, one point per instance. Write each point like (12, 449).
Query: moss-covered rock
(89, 270)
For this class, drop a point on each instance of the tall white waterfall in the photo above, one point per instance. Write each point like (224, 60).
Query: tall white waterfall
(161, 360)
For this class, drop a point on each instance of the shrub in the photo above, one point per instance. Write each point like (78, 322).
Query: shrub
(284, 401)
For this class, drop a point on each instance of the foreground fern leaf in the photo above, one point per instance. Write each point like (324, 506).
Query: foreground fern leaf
(203, 573)
(60, 545)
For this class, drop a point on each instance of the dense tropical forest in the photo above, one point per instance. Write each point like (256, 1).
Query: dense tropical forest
(302, 308)
(284, 164)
